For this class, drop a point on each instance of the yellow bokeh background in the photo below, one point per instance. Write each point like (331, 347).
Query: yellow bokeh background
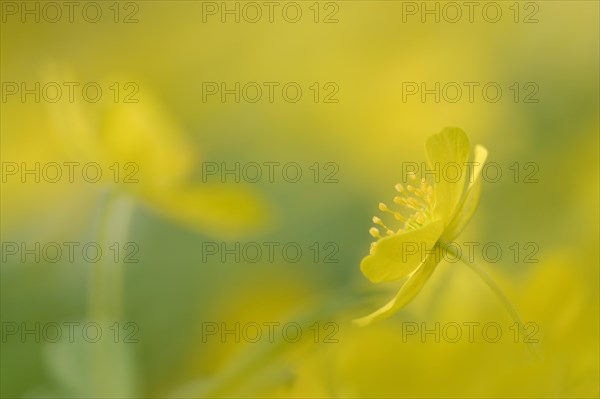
(368, 56)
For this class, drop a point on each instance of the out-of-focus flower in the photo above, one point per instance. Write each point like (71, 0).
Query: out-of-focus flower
(144, 152)
(432, 215)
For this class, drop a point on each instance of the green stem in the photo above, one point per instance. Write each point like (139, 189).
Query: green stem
(105, 305)
(97, 294)
(106, 278)
(489, 281)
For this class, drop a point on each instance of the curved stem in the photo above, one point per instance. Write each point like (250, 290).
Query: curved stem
(489, 281)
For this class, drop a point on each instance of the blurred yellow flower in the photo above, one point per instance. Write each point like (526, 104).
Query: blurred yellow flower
(142, 154)
(145, 153)
(434, 216)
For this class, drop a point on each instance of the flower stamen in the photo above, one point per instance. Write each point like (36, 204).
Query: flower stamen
(374, 231)
(417, 202)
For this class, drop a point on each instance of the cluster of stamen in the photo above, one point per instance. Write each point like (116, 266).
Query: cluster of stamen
(416, 203)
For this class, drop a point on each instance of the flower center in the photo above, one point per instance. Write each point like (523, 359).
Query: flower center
(416, 207)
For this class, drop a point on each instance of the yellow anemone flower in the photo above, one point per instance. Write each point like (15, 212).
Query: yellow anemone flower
(146, 154)
(431, 215)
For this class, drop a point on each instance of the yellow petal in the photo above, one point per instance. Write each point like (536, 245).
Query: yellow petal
(407, 292)
(75, 134)
(140, 142)
(447, 153)
(395, 257)
(469, 202)
(145, 133)
(215, 210)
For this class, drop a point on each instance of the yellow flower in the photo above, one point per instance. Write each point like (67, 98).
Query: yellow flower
(430, 216)
(147, 154)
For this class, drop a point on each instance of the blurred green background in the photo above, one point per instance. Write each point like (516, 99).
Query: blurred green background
(171, 294)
